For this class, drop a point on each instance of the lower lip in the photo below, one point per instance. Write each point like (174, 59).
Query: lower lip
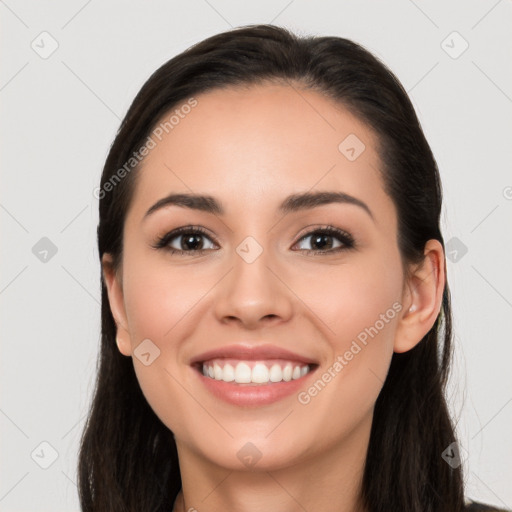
(251, 395)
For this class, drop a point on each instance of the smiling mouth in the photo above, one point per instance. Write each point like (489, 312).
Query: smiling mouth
(253, 372)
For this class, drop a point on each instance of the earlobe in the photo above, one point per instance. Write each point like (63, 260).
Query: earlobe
(113, 283)
(123, 346)
(422, 297)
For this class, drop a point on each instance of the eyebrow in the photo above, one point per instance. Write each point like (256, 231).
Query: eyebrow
(292, 203)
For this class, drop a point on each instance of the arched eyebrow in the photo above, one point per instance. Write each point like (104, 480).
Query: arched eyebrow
(293, 203)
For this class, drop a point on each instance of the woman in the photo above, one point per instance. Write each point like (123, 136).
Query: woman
(276, 322)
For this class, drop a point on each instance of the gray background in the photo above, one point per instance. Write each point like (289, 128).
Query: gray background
(59, 115)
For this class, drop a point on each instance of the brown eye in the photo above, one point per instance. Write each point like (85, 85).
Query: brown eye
(326, 240)
(185, 240)
(190, 242)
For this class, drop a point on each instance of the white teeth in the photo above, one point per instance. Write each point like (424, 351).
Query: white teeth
(287, 373)
(243, 373)
(260, 373)
(228, 373)
(276, 374)
(217, 372)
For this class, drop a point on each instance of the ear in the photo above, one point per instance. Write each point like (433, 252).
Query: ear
(422, 298)
(113, 282)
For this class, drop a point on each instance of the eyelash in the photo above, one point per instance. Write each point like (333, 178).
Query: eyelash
(345, 238)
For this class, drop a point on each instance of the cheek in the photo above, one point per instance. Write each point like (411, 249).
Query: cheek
(160, 305)
(160, 298)
(352, 298)
(364, 310)
(358, 307)
(361, 308)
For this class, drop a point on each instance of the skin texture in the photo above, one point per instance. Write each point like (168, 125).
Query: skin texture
(250, 148)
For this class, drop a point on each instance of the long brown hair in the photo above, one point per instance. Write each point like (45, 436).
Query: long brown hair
(128, 459)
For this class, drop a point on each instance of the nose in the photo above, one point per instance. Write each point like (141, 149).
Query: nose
(254, 294)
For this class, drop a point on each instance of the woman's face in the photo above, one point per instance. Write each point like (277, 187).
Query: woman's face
(261, 276)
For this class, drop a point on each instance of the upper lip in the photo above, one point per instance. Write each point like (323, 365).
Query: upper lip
(251, 352)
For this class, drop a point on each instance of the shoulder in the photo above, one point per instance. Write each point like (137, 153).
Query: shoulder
(473, 506)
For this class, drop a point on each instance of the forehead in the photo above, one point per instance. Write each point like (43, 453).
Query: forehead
(253, 145)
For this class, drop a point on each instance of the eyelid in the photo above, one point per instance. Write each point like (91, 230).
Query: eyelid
(324, 228)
